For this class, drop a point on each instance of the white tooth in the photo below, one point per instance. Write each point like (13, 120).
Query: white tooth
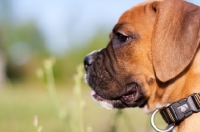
(106, 105)
(85, 78)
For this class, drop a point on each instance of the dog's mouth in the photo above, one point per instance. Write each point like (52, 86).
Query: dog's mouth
(133, 97)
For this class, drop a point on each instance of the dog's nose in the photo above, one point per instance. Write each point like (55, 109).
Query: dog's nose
(88, 60)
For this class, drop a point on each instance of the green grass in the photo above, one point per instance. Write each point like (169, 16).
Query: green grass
(19, 106)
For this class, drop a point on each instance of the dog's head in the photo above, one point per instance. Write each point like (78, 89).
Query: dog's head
(151, 44)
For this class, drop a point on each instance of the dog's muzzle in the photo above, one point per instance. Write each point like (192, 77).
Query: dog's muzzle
(111, 87)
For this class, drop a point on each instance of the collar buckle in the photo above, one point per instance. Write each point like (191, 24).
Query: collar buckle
(194, 102)
(178, 111)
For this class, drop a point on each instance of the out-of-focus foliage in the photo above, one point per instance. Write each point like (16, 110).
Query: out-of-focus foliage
(24, 49)
(21, 44)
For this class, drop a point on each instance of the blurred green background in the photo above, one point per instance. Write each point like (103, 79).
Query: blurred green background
(42, 43)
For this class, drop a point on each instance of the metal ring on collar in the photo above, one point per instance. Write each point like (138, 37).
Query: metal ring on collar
(169, 128)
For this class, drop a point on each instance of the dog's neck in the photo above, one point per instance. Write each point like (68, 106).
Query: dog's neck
(183, 90)
(190, 124)
(192, 84)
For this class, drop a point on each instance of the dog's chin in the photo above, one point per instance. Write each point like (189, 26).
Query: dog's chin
(131, 99)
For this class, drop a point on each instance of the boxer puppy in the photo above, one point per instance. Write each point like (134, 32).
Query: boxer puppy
(152, 59)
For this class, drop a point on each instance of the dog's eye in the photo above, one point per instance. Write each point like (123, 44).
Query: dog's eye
(121, 38)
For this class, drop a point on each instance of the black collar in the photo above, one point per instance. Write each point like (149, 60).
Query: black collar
(178, 111)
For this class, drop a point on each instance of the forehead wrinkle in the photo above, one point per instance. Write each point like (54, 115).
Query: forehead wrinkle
(120, 26)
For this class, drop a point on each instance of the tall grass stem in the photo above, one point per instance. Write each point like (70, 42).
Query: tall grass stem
(78, 94)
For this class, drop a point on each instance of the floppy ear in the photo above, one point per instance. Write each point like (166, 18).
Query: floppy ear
(175, 37)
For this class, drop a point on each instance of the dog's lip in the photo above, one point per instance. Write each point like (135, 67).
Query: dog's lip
(131, 94)
(127, 99)
(116, 103)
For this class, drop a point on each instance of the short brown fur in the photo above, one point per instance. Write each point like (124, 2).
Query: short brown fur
(163, 58)
(176, 56)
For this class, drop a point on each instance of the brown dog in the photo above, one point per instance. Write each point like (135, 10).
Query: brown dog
(152, 59)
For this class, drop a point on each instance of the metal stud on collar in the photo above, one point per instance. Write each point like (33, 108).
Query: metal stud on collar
(169, 128)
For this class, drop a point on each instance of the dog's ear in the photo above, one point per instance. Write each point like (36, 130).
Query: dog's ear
(175, 37)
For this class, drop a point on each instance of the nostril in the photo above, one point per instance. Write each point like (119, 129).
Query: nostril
(87, 62)
(89, 59)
